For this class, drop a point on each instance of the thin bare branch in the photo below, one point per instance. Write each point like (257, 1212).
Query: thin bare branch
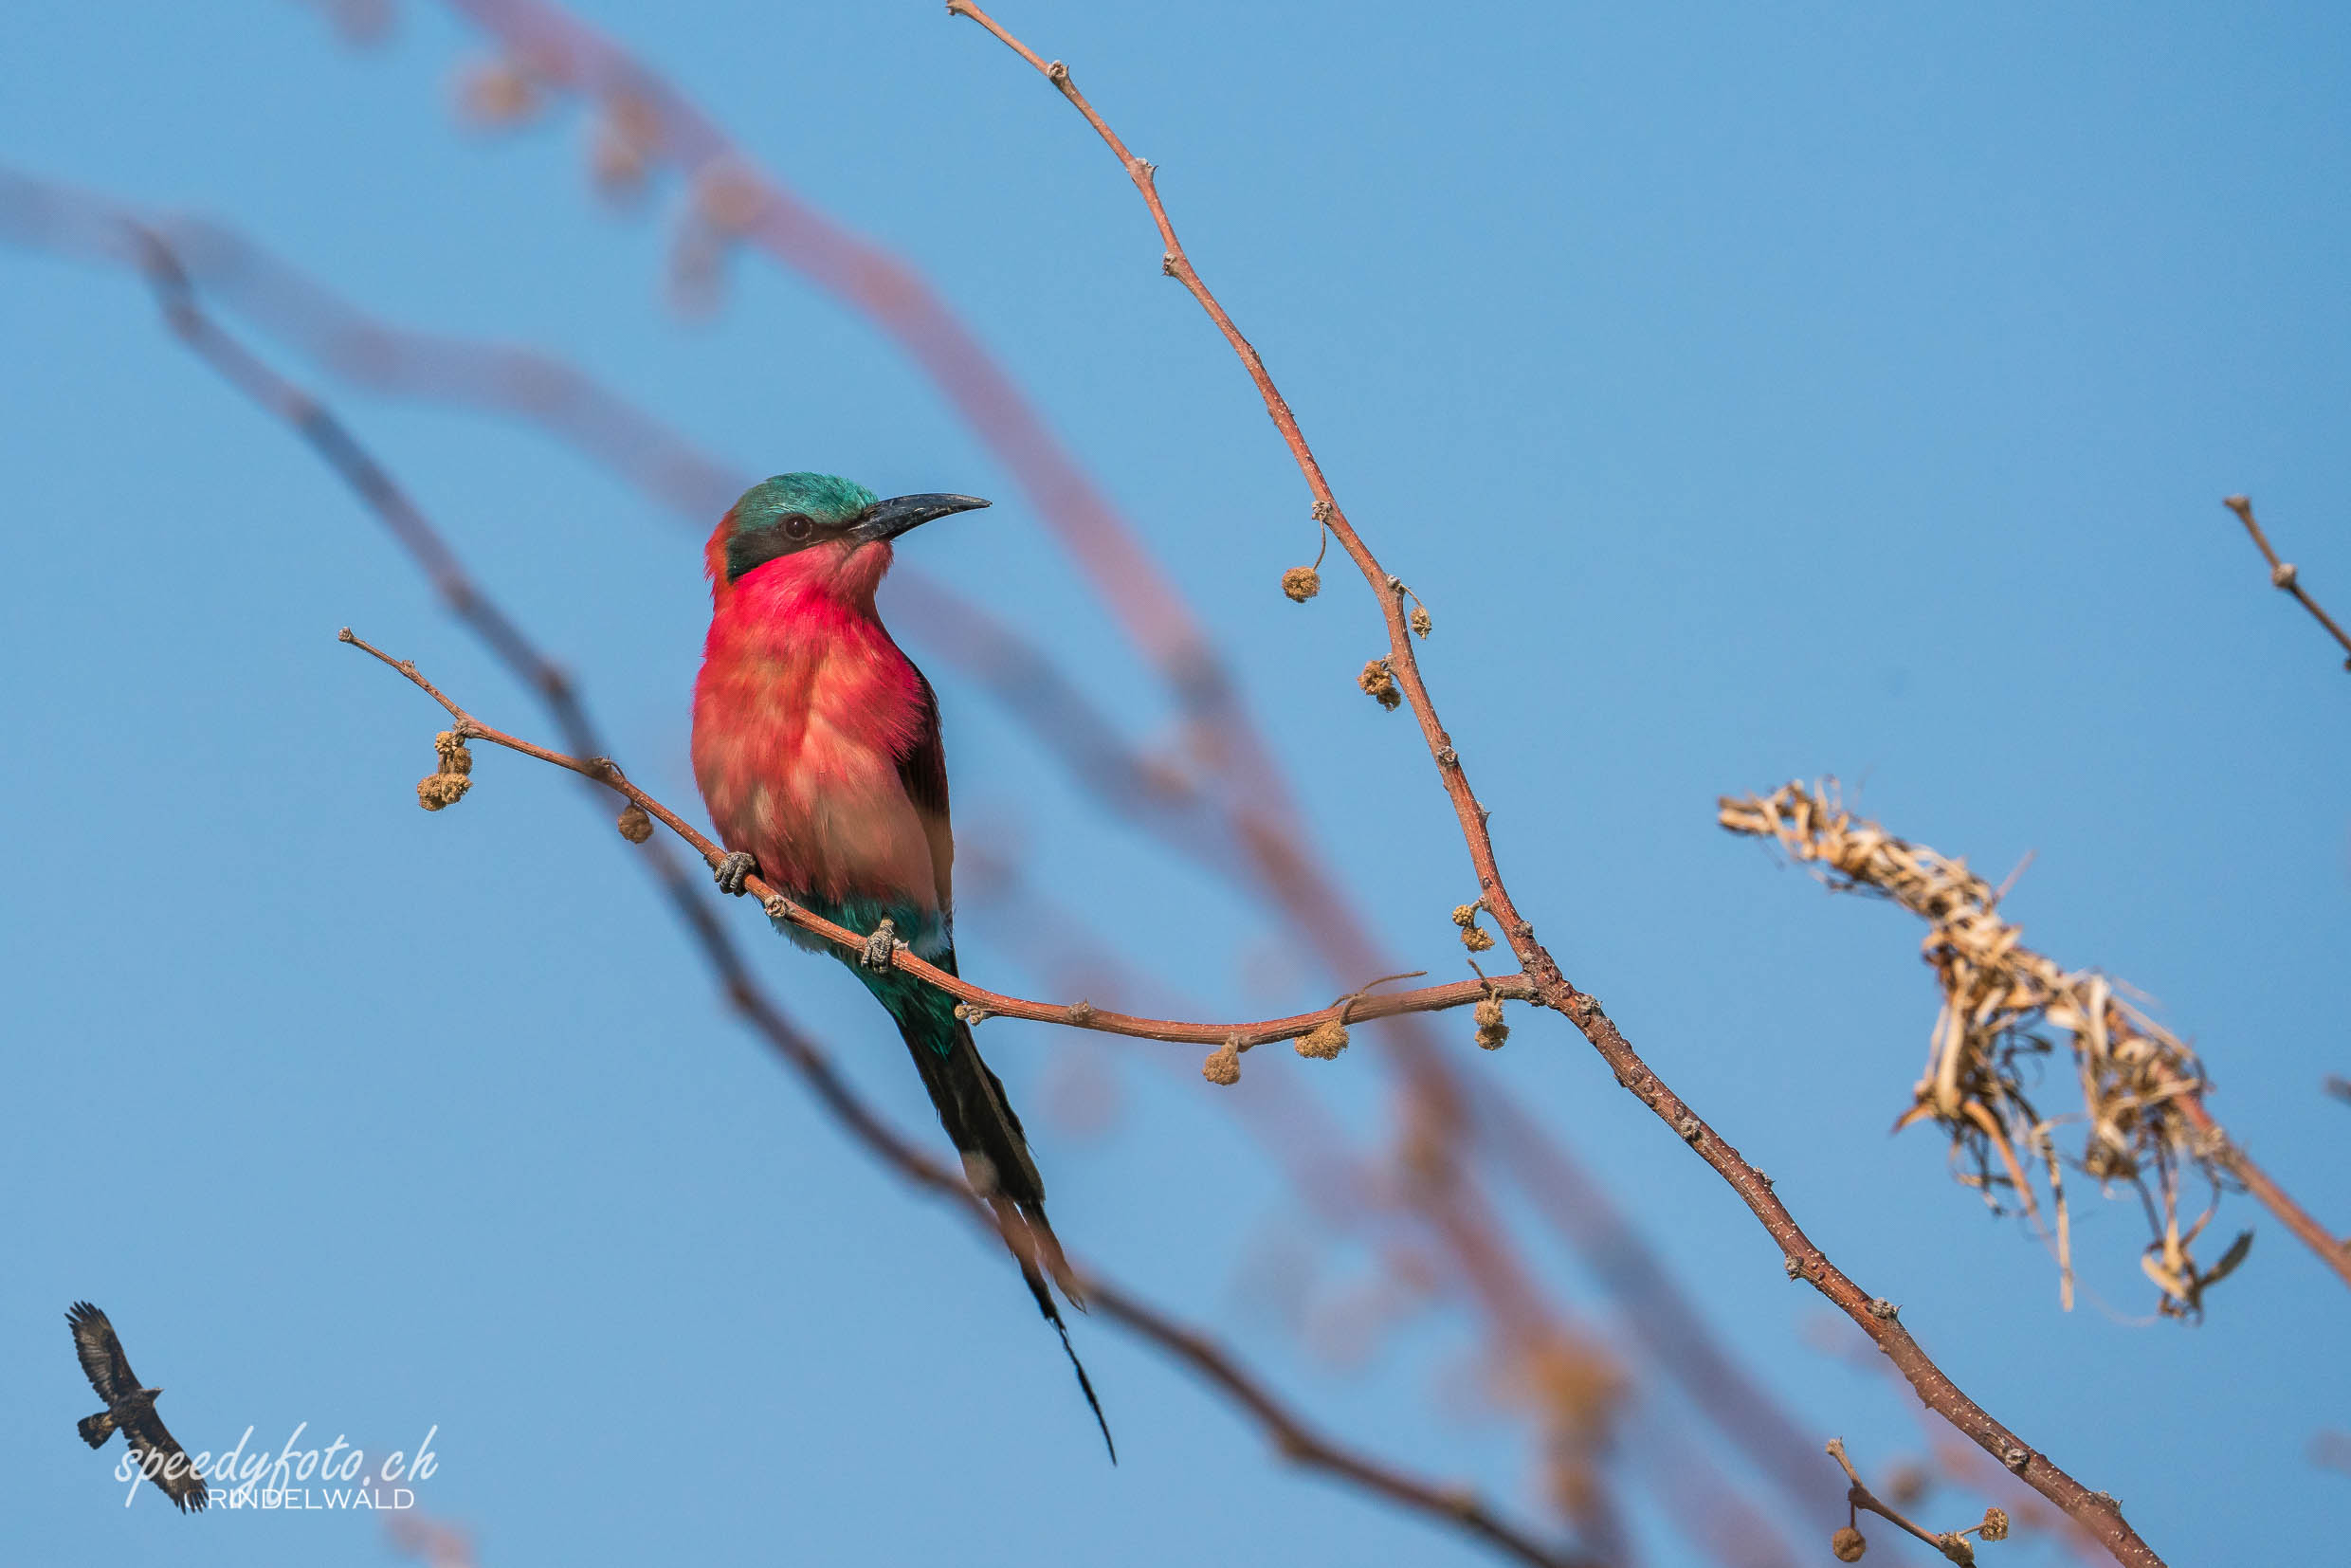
(1552, 988)
(1951, 1544)
(2284, 575)
(2331, 1249)
(979, 1001)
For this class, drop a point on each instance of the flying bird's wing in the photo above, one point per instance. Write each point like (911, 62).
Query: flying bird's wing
(164, 1459)
(102, 1361)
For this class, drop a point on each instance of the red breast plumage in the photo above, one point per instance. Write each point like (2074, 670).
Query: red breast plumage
(803, 710)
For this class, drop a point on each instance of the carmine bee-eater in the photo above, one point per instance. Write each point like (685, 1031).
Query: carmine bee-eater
(816, 744)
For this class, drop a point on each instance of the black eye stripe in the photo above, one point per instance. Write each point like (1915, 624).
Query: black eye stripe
(784, 536)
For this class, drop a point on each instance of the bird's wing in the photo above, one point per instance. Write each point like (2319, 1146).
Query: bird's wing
(100, 1353)
(165, 1461)
(922, 772)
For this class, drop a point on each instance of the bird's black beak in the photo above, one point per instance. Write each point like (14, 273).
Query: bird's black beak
(886, 520)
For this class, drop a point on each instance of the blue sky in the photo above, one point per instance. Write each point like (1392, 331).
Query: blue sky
(1750, 393)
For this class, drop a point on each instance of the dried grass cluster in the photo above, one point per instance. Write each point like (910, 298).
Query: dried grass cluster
(2005, 1004)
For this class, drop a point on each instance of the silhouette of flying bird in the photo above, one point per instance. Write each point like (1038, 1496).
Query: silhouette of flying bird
(130, 1409)
(816, 746)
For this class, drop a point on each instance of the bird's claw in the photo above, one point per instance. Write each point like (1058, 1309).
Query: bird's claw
(732, 871)
(881, 945)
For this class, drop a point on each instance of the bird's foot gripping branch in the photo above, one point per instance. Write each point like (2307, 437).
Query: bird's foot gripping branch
(733, 870)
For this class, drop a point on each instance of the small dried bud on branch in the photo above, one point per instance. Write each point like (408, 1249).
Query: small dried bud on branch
(729, 198)
(1224, 1063)
(1492, 1032)
(1474, 935)
(1326, 1040)
(1421, 622)
(1995, 1526)
(455, 758)
(628, 138)
(1379, 682)
(1848, 1544)
(497, 95)
(1304, 582)
(634, 824)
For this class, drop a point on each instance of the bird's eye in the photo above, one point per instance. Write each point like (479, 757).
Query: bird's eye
(796, 526)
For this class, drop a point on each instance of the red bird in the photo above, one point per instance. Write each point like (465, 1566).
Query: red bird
(817, 745)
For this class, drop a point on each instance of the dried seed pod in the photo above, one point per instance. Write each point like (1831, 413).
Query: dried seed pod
(1224, 1063)
(1492, 1032)
(436, 791)
(447, 784)
(1327, 1039)
(1421, 623)
(634, 824)
(1995, 1525)
(1301, 583)
(1474, 937)
(1847, 1546)
(1379, 682)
